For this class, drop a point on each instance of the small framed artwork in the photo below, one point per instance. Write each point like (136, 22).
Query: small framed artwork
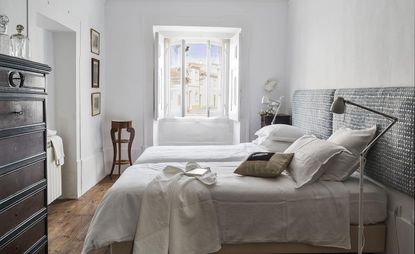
(94, 73)
(95, 41)
(96, 104)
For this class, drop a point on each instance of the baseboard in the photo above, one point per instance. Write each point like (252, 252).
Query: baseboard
(92, 171)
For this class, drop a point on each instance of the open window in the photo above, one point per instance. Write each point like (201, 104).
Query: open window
(196, 72)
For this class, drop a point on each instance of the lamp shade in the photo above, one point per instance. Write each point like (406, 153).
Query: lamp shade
(265, 100)
(338, 106)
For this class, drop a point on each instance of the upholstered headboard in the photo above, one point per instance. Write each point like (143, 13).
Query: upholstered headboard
(391, 160)
(311, 111)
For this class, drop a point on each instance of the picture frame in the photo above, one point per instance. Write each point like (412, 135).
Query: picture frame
(95, 38)
(95, 72)
(96, 104)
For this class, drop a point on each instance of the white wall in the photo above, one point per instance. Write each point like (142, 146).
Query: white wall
(356, 43)
(130, 54)
(78, 16)
(15, 10)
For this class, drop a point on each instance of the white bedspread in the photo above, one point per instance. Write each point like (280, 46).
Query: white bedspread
(249, 209)
(217, 153)
(177, 215)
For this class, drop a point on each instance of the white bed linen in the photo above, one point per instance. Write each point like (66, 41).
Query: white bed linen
(217, 153)
(177, 215)
(249, 209)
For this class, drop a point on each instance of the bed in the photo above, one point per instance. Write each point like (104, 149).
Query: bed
(119, 208)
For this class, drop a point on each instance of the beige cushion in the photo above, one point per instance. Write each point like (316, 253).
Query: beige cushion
(265, 164)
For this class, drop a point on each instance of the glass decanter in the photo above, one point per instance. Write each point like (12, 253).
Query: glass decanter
(19, 43)
(4, 38)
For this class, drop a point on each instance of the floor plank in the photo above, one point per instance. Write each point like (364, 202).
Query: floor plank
(68, 220)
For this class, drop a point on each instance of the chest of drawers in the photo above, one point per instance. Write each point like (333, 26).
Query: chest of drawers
(23, 204)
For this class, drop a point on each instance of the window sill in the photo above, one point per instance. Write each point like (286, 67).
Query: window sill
(195, 118)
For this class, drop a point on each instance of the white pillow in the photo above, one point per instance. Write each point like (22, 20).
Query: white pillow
(280, 132)
(354, 140)
(311, 156)
(341, 167)
(272, 146)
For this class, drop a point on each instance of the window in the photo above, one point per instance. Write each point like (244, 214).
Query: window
(196, 75)
(201, 82)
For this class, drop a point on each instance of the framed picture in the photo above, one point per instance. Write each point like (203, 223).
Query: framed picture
(96, 104)
(95, 41)
(94, 73)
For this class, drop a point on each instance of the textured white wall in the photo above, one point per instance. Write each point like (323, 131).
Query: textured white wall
(130, 54)
(356, 43)
(350, 43)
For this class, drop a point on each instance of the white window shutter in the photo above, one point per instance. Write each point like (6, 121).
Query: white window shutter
(233, 105)
(159, 77)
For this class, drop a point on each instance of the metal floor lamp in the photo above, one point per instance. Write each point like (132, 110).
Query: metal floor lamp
(339, 107)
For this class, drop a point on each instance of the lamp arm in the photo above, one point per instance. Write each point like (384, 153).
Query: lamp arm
(372, 143)
(392, 118)
(371, 110)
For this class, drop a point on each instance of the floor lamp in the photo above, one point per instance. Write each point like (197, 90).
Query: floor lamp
(339, 107)
(276, 104)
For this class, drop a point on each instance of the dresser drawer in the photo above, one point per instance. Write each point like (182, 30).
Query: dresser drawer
(21, 211)
(42, 250)
(22, 79)
(21, 113)
(26, 240)
(21, 178)
(20, 147)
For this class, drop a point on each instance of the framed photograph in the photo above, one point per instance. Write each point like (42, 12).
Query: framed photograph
(95, 41)
(94, 73)
(96, 104)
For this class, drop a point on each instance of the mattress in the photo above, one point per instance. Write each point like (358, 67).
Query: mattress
(249, 209)
(217, 153)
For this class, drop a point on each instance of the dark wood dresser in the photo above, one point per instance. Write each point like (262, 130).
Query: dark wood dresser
(23, 207)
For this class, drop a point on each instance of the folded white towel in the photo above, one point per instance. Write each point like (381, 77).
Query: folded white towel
(51, 132)
(58, 153)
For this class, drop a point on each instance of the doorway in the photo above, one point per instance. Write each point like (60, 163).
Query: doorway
(60, 51)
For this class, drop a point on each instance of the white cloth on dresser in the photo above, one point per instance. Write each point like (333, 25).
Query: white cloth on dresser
(177, 215)
(58, 153)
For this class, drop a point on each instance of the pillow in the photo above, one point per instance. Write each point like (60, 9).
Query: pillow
(280, 132)
(272, 146)
(311, 158)
(354, 140)
(264, 164)
(340, 168)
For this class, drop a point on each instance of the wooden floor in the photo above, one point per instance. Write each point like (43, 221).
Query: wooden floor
(69, 220)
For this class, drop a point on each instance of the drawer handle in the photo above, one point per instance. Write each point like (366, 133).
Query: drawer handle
(17, 109)
(16, 79)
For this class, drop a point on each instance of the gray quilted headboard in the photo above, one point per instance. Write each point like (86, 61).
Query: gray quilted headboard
(311, 111)
(391, 160)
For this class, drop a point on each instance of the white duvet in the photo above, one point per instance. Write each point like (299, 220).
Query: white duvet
(249, 209)
(216, 153)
